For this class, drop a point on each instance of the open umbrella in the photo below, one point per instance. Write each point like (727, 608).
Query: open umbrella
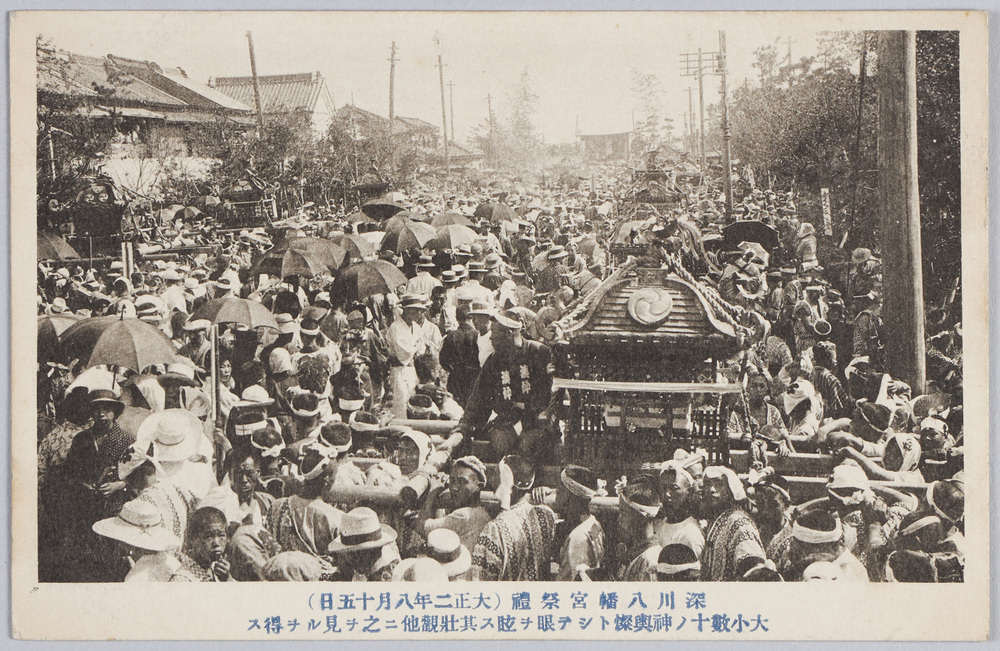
(450, 219)
(290, 262)
(236, 310)
(53, 247)
(114, 341)
(364, 279)
(356, 245)
(750, 230)
(206, 202)
(399, 220)
(50, 329)
(382, 208)
(452, 237)
(413, 235)
(495, 212)
(190, 212)
(326, 251)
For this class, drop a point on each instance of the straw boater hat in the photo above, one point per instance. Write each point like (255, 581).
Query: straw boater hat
(445, 547)
(481, 308)
(423, 569)
(476, 267)
(105, 398)
(492, 261)
(254, 396)
(178, 373)
(286, 323)
(557, 252)
(139, 524)
(426, 262)
(509, 320)
(174, 434)
(449, 277)
(360, 529)
(413, 301)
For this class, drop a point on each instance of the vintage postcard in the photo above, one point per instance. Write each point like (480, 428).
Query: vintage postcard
(582, 323)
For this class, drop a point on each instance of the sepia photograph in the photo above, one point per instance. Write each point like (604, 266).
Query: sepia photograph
(453, 300)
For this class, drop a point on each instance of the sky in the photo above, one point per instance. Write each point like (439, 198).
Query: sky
(580, 64)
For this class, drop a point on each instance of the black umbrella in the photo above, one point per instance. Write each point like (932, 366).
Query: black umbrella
(364, 279)
(115, 341)
(495, 212)
(750, 230)
(236, 310)
(53, 247)
(381, 209)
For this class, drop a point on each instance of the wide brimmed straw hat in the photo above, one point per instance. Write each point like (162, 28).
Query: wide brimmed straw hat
(139, 524)
(174, 433)
(360, 529)
(105, 398)
(422, 570)
(445, 547)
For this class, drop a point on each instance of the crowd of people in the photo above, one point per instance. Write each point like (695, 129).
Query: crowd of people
(405, 435)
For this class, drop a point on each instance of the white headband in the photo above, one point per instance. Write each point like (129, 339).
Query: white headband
(814, 537)
(648, 512)
(920, 524)
(667, 568)
(580, 490)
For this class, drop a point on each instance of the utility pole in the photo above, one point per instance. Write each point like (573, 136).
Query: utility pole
(444, 114)
(690, 92)
(451, 107)
(899, 204)
(727, 171)
(256, 84)
(392, 105)
(701, 115)
(392, 88)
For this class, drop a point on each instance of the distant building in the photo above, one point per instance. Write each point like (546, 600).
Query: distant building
(154, 109)
(304, 94)
(606, 146)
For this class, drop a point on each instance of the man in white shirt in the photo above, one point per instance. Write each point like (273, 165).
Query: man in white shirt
(405, 339)
(482, 318)
(423, 283)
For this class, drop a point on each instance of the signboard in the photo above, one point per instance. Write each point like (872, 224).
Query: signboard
(827, 216)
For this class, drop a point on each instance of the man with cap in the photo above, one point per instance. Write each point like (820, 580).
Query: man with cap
(460, 355)
(173, 292)
(515, 383)
(366, 549)
(732, 543)
(549, 279)
(493, 279)
(474, 285)
(518, 544)
(423, 283)
(405, 339)
(457, 508)
(142, 540)
(88, 486)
